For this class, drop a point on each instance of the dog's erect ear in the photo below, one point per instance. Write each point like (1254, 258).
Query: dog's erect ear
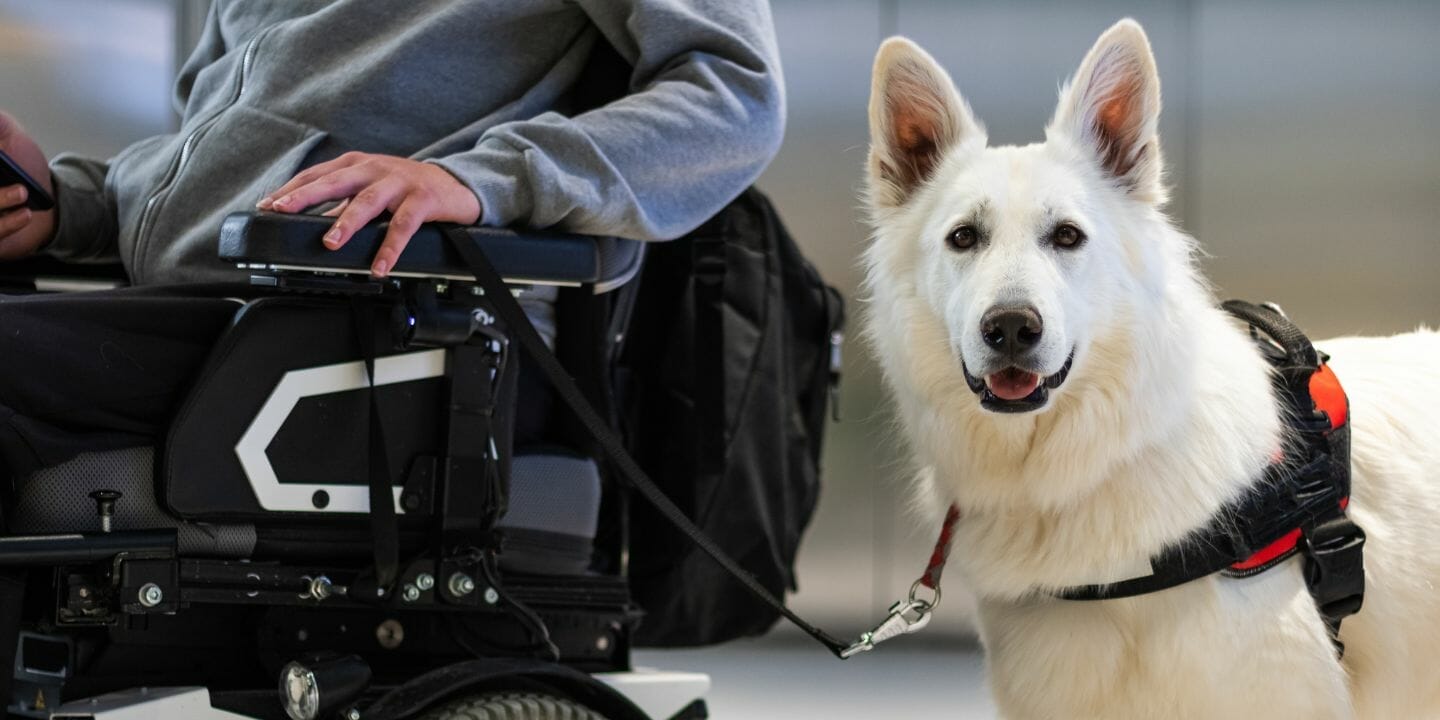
(915, 117)
(1112, 108)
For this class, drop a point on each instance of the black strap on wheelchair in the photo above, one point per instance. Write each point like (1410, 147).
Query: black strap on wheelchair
(515, 319)
(384, 528)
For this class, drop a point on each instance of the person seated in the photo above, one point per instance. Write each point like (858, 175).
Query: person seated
(629, 118)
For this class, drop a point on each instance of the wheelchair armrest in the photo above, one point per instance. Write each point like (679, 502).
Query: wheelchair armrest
(283, 242)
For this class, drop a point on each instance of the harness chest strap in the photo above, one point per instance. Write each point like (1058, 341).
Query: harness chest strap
(1328, 397)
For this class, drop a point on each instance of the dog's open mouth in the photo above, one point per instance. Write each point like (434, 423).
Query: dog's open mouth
(1016, 390)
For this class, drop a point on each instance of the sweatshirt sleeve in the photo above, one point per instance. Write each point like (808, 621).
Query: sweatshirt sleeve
(86, 218)
(705, 115)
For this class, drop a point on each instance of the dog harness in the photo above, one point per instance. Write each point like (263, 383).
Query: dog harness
(1297, 506)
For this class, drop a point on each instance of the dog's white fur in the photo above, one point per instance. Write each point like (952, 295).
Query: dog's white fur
(1167, 414)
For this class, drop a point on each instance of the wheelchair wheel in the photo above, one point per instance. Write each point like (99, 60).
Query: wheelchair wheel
(512, 706)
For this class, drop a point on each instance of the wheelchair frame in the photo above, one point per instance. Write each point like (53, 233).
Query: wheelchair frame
(172, 616)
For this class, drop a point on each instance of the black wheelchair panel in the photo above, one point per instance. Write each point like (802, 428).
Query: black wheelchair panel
(315, 442)
(275, 425)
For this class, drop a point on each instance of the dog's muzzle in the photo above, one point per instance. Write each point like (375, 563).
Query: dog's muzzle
(1034, 401)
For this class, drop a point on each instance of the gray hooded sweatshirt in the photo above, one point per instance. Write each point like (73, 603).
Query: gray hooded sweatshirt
(494, 91)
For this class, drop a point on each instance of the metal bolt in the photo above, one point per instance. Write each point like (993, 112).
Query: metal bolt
(602, 643)
(105, 506)
(461, 584)
(354, 714)
(390, 634)
(425, 581)
(492, 595)
(150, 595)
(321, 588)
(410, 593)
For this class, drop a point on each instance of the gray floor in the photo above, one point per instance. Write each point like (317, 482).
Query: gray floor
(786, 676)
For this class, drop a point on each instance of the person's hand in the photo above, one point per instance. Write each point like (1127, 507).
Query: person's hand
(414, 193)
(22, 230)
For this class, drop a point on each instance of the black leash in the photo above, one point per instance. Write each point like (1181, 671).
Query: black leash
(518, 325)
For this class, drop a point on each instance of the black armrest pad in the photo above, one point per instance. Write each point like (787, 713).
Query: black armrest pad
(293, 242)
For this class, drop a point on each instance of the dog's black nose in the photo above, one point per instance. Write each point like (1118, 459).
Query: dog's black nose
(1012, 329)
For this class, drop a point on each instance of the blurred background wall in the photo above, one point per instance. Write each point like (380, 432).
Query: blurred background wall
(1303, 142)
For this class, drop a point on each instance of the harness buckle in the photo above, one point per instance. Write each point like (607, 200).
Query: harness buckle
(1335, 568)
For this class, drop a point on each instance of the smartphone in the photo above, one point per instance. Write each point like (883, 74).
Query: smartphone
(11, 174)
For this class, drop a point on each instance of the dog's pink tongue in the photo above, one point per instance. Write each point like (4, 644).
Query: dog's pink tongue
(1012, 383)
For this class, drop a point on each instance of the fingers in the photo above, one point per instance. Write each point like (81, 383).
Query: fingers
(12, 196)
(310, 175)
(335, 211)
(336, 185)
(368, 185)
(364, 207)
(12, 221)
(412, 213)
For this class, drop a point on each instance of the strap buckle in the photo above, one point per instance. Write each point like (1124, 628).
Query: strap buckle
(910, 615)
(1335, 567)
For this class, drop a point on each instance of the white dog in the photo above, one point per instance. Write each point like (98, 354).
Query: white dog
(1065, 379)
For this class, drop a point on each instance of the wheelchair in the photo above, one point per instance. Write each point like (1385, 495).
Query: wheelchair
(240, 555)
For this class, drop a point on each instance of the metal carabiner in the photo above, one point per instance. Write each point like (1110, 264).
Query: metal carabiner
(907, 616)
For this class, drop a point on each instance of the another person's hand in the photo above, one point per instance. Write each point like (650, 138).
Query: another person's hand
(414, 192)
(22, 230)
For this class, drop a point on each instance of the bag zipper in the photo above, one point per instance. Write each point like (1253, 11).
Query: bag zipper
(147, 216)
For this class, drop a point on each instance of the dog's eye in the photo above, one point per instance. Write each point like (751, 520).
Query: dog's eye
(1067, 236)
(962, 238)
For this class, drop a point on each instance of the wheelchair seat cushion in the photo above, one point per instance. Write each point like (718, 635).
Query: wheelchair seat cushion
(57, 500)
(549, 528)
(553, 516)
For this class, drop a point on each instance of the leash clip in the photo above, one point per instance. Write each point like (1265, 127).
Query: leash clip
(907, 616)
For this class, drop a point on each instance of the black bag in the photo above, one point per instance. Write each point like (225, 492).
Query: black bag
(731, 355)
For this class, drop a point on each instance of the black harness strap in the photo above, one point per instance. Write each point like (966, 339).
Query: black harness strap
(519, 325)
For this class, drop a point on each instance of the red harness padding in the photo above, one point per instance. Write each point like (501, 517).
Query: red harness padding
(1329, 398)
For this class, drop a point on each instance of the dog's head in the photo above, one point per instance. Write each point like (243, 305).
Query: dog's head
(1021, 258)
